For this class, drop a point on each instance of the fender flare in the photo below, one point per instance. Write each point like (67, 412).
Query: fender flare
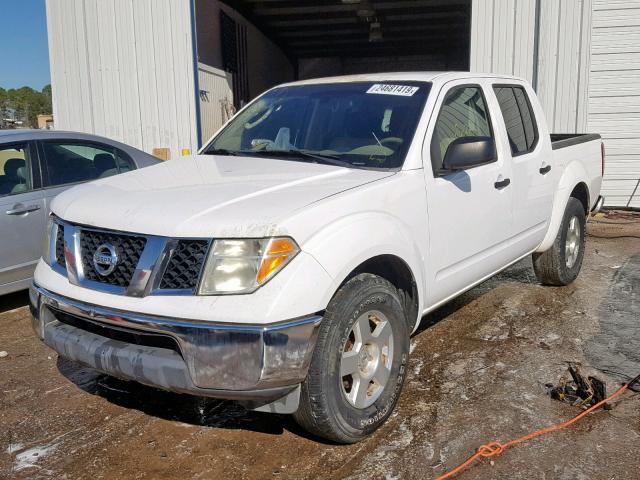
(572, 176)
(344, 245)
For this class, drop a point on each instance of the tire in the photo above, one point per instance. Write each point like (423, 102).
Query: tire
(560, 265)
(330, 406)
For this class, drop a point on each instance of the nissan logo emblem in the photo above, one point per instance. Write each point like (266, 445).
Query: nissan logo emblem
(105, 259)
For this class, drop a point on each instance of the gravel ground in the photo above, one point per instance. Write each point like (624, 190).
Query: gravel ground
(478, 371)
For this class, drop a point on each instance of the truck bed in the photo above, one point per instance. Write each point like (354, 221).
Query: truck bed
(562, 140)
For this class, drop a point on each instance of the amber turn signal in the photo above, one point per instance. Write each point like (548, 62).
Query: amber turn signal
(279, 252)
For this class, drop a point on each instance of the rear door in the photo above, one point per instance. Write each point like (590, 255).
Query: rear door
(23, 215)
(470, 216)
(532, 166)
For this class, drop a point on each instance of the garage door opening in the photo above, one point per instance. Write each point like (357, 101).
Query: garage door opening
(339, 37)
(245, 47)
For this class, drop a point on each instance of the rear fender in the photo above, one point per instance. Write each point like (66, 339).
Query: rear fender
(573, 174)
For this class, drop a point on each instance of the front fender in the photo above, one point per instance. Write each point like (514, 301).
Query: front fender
(348, 242)
(572, 175)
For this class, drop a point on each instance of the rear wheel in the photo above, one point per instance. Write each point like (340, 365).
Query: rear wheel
(359, 362)
(560, 265)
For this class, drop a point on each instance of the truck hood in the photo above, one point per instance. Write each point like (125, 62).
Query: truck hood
(207, 196)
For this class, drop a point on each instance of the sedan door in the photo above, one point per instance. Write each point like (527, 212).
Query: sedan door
(23, 216)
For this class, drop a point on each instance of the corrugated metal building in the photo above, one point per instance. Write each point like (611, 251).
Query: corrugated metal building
(125, 70)
(583, 59)
(168, 74)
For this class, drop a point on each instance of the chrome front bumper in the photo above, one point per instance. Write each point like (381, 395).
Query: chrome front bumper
(231, 361)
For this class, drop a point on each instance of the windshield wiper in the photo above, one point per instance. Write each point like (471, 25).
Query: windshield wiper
(221, 151)
(327, 159)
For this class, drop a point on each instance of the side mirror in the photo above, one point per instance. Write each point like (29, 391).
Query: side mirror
(468, 152)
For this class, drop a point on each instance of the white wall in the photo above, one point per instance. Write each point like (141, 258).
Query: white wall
(563, 63)
(124, 69)
(216, 99)
(614, 96)
(503, 40)
(501, 30)
(585, 67)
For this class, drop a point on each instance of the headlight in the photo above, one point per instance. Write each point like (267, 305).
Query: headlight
(46, 246)
(241, 266)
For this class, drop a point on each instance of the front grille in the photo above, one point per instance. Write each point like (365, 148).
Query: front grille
(177, 275)
(60, 260)
(128, 247)
(185, 264)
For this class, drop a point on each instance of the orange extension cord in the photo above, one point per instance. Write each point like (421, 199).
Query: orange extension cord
(495, 448)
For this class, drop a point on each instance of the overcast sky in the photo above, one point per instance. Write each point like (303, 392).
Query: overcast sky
(24, 56)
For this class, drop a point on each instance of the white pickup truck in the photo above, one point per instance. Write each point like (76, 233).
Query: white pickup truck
(287, 264)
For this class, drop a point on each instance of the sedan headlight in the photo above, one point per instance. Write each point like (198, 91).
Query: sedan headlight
(243, 265)
(46, 246)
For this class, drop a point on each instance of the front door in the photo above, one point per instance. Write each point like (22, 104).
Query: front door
(23, 216)
(470, 219)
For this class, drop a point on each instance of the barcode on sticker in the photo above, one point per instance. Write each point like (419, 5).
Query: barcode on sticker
(386, 89)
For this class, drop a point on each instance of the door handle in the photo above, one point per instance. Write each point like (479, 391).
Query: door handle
(22, 209)
(545, 170)
(502, 183)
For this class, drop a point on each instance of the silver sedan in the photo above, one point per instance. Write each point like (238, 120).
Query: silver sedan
(36, 165)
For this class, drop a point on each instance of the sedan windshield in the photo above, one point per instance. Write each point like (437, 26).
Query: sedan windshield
(359, 124)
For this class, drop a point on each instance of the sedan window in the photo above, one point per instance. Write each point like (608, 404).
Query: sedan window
(124, 162)
(73, 162)
(15, 170)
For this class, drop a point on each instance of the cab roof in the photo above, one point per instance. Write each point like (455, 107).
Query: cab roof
(402, 76)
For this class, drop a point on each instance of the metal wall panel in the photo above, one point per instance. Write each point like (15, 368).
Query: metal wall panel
(551, 51)
(563, 63)
(124, 69)
(502, 37)
(614, 96)
(585, 59)
(216, 98)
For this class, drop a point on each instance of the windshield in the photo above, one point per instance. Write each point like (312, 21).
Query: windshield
(360, 124)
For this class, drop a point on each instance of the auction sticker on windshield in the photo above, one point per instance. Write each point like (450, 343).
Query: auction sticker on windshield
(385, 89)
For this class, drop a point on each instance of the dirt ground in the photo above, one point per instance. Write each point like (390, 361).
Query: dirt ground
(478, 368)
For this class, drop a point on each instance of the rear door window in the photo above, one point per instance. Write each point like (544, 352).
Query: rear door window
(73, 162)
(528, 119)
(518, 118)
(16, 170)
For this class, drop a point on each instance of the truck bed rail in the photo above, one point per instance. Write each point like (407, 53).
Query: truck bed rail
(562, 140)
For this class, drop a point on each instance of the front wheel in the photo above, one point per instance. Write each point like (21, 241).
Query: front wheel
(359, 362)
(560, 265)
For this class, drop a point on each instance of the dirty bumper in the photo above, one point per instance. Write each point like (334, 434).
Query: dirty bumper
(252, 363)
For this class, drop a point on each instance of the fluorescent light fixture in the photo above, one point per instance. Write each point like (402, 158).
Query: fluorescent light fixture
(366, 12)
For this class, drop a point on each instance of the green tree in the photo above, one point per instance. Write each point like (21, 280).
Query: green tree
(27, 102)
